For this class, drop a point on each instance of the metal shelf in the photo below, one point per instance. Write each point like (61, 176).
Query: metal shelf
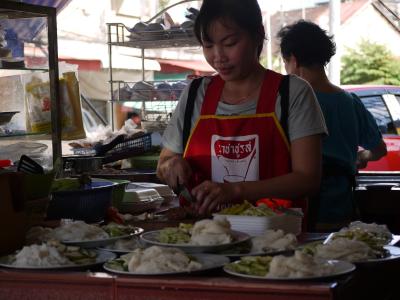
(17, 134)
(27, 69)
(120, 35)
(19, 13)
(147, 90)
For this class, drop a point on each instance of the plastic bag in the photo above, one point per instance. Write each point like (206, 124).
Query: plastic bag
(38, 105)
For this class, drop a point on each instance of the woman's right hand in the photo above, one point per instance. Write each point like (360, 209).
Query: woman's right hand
(173, 169)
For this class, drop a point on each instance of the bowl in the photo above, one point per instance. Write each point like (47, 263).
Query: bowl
(256, 226)
(155, 27)
(140, 27)
(89, 204)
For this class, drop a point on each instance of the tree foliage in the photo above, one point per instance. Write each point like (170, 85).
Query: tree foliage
(370, 63)
(163, 3)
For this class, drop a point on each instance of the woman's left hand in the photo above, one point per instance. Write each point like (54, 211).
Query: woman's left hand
(209, 195)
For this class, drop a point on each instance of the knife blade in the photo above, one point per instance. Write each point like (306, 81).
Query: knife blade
(183, 192)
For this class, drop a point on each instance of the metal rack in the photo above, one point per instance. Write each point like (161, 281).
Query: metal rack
(16, 11)
(121, 35)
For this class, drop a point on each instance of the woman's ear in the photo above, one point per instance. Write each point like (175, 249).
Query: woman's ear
(294, 61)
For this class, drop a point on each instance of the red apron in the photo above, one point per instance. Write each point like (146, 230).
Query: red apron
(242, 147)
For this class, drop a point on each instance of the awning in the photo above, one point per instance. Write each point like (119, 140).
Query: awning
(196, 65)
(28, 29)
(67, 49)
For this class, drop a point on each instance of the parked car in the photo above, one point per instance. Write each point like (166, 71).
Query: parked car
(383, 101)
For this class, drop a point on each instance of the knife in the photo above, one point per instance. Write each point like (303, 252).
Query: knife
(183, 192)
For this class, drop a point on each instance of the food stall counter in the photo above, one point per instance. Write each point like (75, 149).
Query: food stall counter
(99, 285)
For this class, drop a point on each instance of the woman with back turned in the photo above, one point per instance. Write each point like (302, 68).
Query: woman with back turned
(306, 50)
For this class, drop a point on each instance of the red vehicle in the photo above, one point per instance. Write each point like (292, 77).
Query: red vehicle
(383, 101)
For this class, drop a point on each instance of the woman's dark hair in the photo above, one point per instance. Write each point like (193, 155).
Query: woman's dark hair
(309, 43)
(246, 14)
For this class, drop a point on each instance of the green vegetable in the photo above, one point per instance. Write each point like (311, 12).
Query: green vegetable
(114, 229)
(117, 264)
(173, 235)
(251, 265)
(248, 209)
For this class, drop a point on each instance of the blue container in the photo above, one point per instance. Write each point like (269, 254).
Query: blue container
(13, 43)
(89, 204)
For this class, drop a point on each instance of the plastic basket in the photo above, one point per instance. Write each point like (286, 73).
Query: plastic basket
(128, 148)
(89, 204)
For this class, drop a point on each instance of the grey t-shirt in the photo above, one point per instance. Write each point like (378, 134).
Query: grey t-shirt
(305, 115)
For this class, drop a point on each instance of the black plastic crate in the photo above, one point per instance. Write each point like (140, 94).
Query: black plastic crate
(128, 148)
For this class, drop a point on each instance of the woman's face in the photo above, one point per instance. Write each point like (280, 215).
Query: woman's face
(231, 51)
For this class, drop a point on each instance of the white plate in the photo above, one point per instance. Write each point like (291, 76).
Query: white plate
(151, 237)
(102, 242)
(394, 253)
(102, 257)
(208, 261)
(340, 268)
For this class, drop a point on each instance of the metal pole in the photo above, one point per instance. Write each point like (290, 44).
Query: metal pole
(143, 78)
(54, 84)
(111, 106)
(334, 26)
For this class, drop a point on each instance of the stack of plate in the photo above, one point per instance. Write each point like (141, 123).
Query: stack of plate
(138, 199)
(162, 189)
(256, 226)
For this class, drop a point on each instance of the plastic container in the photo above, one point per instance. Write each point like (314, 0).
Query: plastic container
(163, 189)
(138, 194)
(256, 226)
(137, 200)
(89, 204)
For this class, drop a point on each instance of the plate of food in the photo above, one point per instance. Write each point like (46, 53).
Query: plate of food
(374, 234)
(203, 236)
(157, 260)
(357, 252)
(300, 266)
(79, 233)
(114, 231)
(54, 255)
(359, 243)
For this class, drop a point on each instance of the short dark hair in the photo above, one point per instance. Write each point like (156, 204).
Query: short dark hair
(245, 13)
(132, 114)
(309, 43)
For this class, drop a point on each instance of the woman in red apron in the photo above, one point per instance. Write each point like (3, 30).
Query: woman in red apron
(244, 156)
